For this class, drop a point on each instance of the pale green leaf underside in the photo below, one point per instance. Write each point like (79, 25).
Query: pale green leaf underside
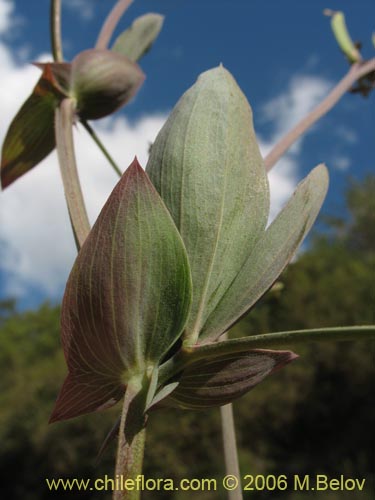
(138, 39)
(271, 254)
(207, 167)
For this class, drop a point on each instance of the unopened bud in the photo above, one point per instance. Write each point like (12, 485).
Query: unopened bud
(103, 82)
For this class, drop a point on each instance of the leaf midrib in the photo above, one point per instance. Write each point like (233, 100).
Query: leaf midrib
(196, 326)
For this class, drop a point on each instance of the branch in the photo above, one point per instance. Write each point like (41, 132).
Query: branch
(68, 168)
(264, 341)
(55, 26)
(357, 71)
(110, 23)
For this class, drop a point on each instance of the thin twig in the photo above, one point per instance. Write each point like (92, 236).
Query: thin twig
(68, 168)
(55, 26)
(110, 23)
(356, 72)
(101, 146)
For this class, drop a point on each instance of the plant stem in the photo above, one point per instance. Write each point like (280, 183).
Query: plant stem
(228, 431)
(65, 149)
(131, 441)
(55, 26)
(356, 71)
(264, 341)
(102, 148)
(110, 23)
(230, 449)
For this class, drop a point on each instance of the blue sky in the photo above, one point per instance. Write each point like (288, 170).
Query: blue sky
(283, 56)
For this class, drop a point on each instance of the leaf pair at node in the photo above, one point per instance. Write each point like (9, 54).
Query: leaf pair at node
(172, 264)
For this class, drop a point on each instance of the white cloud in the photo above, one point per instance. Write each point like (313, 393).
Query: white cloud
(84, 7)
(290, 107)
(285, 111)
(341, 163)
(36, 244)
(283, 180)
(38, 247)
(347, 134)
(6, 9)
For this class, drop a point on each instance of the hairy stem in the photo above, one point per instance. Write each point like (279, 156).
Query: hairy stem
(264, 341)
(131, 442)
(64, 117)
(55, 26)
(228, 431)
(101, 146)
(356, 71)
(110, 23)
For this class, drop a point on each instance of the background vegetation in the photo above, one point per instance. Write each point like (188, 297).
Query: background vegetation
(315, 416)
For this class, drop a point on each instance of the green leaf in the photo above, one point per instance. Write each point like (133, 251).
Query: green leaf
(162, 394)
(343, 38)
(30, 137)
(272, 252)
(139, 38)
(153, 386)
(206, 165)
(128, 295)
(102, 82)
(224, 378)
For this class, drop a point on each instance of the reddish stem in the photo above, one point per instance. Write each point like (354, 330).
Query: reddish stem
(110, 23)
(356, 71)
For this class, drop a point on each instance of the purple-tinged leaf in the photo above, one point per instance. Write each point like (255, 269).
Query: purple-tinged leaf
(222, 379)
(59, 76)
(85, 393)
(128, 295)
(30, 137)
(102, 82)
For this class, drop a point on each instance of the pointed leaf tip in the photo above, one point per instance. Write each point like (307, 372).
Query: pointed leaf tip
(127, 297)
(85, 393)
(221, 379)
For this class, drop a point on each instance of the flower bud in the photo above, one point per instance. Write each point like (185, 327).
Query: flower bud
(103, 82)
